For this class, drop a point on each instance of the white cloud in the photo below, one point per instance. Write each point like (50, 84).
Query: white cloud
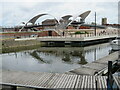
(16, 12)
(60, 0)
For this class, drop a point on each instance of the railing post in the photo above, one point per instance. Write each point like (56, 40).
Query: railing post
(110, 77)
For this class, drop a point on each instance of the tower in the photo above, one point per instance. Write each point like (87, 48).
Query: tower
(104, 21)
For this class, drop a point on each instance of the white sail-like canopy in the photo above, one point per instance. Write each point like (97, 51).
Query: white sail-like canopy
(66, 17)
(84, 15)
(34, 19)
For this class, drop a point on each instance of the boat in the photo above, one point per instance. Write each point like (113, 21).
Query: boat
(115, 44)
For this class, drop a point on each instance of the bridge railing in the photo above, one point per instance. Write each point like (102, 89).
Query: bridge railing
(84, 35)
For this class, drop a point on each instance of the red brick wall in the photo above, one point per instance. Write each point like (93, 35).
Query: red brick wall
(45, 33)
(70, 27)
(40, 34)
(84, 27)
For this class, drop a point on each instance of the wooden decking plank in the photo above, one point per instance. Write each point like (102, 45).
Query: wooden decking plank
(45, 79)
(55, 81)
(59, 80)
(20, 79)
(105, 81)
(37, 77)
(36, 81)
(40, 79)
(74, 81)
(5, 76)
(102, 82)
(85, 82)
(12, 78)
(24, 78)
(69, 81)
(62, 85)
(99, 82)
(88, 82)
(58, 85)
(83, 79)
(64, 81)
(33, 79)
(78, 81)
(51, 82)
(94, 81)
(48, 81)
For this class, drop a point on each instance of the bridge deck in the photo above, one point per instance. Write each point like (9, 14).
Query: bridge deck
(75, 38)
(52, 80)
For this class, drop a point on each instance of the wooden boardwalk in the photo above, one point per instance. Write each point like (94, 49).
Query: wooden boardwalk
(96, 67)
(117, 81)
(52, 80)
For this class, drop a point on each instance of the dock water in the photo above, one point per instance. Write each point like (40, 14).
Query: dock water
(81, 78)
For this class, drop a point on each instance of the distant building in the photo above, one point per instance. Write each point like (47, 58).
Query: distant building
(104, 21)
(113, 25)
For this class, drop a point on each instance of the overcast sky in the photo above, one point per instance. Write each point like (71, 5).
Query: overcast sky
(14, 11)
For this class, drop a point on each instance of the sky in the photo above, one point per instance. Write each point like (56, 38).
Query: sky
(14, 12)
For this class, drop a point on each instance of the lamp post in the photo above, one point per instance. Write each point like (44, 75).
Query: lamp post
(95, 23)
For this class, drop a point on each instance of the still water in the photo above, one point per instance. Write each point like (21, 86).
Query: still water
(53, 59)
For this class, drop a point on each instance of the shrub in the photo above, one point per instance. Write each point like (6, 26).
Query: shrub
(79, 32)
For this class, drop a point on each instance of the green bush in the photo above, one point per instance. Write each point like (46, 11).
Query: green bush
(79, 32)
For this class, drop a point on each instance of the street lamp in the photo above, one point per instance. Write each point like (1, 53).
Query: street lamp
(95, 23)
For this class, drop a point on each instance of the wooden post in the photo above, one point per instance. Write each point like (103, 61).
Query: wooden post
(110, 77)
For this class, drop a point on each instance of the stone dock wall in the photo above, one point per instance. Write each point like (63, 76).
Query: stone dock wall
(12, 46)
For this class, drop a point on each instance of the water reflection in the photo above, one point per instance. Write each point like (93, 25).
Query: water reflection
(54, 59)
(36, 56)
(66, 54)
